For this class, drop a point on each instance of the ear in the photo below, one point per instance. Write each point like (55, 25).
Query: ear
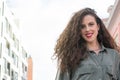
(98, 27)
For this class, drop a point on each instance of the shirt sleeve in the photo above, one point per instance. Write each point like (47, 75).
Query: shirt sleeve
(119, 70)
(118, 67)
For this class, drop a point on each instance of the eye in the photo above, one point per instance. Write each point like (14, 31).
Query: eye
(91, 24)
(82, 26)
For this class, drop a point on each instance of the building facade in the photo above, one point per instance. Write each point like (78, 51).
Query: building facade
(13, 57)
(30, 67)
(113, 23)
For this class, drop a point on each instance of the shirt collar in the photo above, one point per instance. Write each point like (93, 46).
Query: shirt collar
(103, 48)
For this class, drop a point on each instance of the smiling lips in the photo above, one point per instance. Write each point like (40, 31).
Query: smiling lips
(88, 35)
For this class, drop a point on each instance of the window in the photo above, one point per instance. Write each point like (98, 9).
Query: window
(15, 59)
(7, 49)
(16, 42)
(0, 12)
(6, 25)
(2, 8)
(8, 28)
(14, 75)
(0, 50)
(8, 68)
(4, 79)
(10, 31)
(4, 68)
(1, 29)
(24, 54)
(24, 68)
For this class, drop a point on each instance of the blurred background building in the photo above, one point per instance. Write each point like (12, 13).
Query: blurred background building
(113, 22)
(15, 62)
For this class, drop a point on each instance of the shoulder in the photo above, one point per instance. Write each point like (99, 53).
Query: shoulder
(112, 52)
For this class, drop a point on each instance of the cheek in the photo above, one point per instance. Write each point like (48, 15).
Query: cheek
(96, 33)
(97, 30)
(82, 34)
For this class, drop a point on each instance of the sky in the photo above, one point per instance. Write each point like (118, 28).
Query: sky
(42, 21)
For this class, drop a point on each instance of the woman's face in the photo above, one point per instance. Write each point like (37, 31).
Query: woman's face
(89, 29)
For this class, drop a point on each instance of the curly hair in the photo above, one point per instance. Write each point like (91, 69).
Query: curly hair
(71, 47)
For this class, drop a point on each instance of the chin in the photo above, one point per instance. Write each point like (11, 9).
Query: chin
(89, 41)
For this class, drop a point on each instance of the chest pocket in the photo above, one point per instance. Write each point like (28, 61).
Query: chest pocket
(84, 72)
(111, 74)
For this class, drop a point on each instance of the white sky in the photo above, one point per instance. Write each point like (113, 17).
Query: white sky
(42, 21)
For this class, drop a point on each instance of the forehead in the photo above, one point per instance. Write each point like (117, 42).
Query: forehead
(88, 18)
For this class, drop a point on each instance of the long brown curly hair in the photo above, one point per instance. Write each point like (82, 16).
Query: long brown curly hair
(71, 47)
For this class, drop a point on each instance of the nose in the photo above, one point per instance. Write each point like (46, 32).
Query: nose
(87, 28)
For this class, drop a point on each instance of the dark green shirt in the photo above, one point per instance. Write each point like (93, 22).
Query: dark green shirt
(104, 66)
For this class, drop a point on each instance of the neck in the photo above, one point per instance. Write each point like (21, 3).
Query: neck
(94, 46)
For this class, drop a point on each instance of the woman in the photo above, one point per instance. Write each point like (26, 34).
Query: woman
(86, 51)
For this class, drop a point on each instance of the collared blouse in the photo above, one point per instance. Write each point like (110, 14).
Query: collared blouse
(104, 66)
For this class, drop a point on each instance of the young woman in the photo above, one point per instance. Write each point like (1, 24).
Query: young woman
(86, 51)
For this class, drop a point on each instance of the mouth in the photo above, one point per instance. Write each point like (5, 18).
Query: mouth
(88, 35)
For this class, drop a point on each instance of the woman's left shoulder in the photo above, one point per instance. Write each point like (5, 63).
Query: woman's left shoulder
(113, 51)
